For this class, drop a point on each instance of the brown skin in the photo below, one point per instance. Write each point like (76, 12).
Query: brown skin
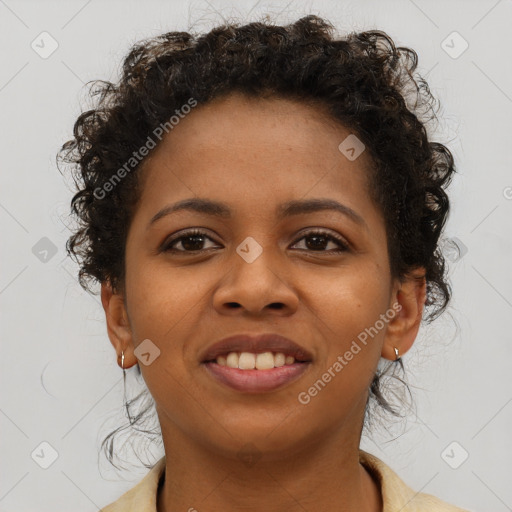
(255, 154)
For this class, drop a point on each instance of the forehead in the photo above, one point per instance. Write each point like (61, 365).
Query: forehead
(254, 153)
(241, 122)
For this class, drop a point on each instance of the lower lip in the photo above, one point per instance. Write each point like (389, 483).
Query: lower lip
(256, 381)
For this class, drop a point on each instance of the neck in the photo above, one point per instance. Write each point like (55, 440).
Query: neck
(324, 476)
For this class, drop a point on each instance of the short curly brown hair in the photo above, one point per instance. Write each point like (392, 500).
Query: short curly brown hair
(366, 83)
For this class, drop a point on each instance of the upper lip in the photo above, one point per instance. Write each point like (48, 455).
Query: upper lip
(256, 344)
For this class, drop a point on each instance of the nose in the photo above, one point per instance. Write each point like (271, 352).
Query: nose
(254, 287)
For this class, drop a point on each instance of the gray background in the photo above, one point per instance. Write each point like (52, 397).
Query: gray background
(60, 381)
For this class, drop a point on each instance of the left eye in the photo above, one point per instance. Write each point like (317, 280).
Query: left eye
(192, 239)
(320, 237)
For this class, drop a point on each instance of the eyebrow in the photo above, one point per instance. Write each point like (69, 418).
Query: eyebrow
(284, 210)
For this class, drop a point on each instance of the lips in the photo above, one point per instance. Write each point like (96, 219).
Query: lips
(256, 345)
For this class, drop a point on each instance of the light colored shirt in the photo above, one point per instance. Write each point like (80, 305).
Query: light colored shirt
(396, 495)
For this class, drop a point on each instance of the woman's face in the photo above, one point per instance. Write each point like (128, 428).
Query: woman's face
(254, 156)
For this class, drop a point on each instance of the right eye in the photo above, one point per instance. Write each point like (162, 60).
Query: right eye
(190, 240)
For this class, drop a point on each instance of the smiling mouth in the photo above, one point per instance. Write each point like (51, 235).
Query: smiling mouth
(255, 372)
(254, 361)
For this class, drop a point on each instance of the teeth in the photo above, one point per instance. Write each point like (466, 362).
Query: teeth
(247, 361)
(231, 360)
(250, 361)
(279, 359)
(264, 361)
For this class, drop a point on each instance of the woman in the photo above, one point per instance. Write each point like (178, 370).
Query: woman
(262, 207)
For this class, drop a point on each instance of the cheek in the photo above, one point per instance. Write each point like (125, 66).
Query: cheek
(351, 301)
(164, 306)
(350, 310)
(163, 299)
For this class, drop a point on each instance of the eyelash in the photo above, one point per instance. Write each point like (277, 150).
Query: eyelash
(194, 232)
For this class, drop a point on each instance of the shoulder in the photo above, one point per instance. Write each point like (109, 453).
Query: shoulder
(397, 495)
(142, 497)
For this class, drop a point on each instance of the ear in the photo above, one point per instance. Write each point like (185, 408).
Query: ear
(118, 326)
(408, 298)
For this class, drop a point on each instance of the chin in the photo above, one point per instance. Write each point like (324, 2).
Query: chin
(263, 441)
